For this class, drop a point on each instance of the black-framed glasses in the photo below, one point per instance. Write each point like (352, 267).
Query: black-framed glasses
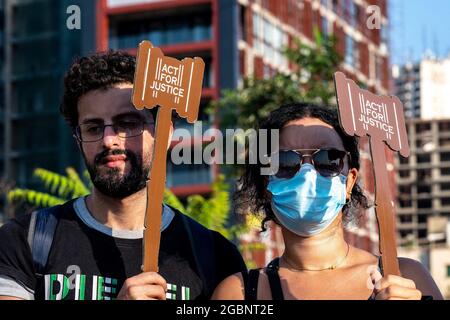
(92, 132)
(327, 162)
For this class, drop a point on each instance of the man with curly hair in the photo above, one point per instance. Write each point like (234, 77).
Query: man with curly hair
(91, 247)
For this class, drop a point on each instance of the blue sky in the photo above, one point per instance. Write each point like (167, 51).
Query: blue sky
(418, 25)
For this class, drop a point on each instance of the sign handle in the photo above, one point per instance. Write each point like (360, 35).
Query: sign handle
(155, 192)
(384, 210)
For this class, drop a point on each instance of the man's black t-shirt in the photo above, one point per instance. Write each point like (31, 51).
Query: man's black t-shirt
(87, 264)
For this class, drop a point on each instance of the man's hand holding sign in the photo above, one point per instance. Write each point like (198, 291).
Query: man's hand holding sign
(363, 113)
(172, 85)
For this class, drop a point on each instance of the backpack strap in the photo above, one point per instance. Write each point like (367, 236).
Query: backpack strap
(202, 242)
(40, 236)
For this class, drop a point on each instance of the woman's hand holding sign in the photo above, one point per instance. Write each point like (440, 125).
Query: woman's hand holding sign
(392, 287)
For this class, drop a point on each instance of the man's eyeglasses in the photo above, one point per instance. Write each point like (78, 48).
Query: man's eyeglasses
(327, 162)
(92, 132)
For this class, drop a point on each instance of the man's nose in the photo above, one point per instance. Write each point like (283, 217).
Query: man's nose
(110, 138)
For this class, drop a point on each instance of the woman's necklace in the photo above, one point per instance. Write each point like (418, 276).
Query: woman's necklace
(332, 267)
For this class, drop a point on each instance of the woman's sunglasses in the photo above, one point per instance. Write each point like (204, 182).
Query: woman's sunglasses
(327, 162)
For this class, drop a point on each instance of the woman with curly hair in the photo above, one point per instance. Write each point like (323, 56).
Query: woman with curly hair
(311, 196)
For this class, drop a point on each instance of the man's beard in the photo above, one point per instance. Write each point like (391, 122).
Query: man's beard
(111, 182)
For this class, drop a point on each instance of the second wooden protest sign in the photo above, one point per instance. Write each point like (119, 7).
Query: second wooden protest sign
(363, 113)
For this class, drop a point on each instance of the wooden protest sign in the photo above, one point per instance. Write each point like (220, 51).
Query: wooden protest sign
(170, 84)
(381, 118)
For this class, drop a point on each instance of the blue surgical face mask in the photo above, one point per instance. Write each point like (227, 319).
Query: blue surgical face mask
(307, 203)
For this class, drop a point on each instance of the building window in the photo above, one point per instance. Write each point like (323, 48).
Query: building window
(160, 31)
(242, 23)
(351, 52)
(422, 143)
(257, 44)
(405, 190)
(444, 142)
(403, 160)
(404, 173)
(406, 233)
(423, 127)
(424, 158)
(269, 40)
(349, 47)
(422, 234)
(336, 6)
(384, 33)
(405, 203)
(423, 189)
(324, 23)
(269, 34)
(378, 68)
(186, 174)
(423, 174)
(448, 270)
(445, 172)
(406, 218)
(353, 12)
(356, 55)
(444, 126)
(445, 156)
(424, 204)
(266, 71)
(445, 201)
(256, 25)
(422, 218)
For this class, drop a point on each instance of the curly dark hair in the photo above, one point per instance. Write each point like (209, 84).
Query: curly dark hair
(252, 194)
(98, 71)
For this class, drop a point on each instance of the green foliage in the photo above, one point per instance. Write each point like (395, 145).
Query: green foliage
(317, 65)
(57, 189)
(32, 197)
(244, 108)
(213, 213)
(312, 82)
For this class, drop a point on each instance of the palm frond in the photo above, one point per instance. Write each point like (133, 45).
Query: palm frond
(80, 188)
(36, 198)
(57, 189)
(171, 200)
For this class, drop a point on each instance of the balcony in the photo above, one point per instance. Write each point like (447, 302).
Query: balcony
(36, 74)
(161, 31)
(49, 35)
(33, 153)
(188, 174)
(406, 226)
